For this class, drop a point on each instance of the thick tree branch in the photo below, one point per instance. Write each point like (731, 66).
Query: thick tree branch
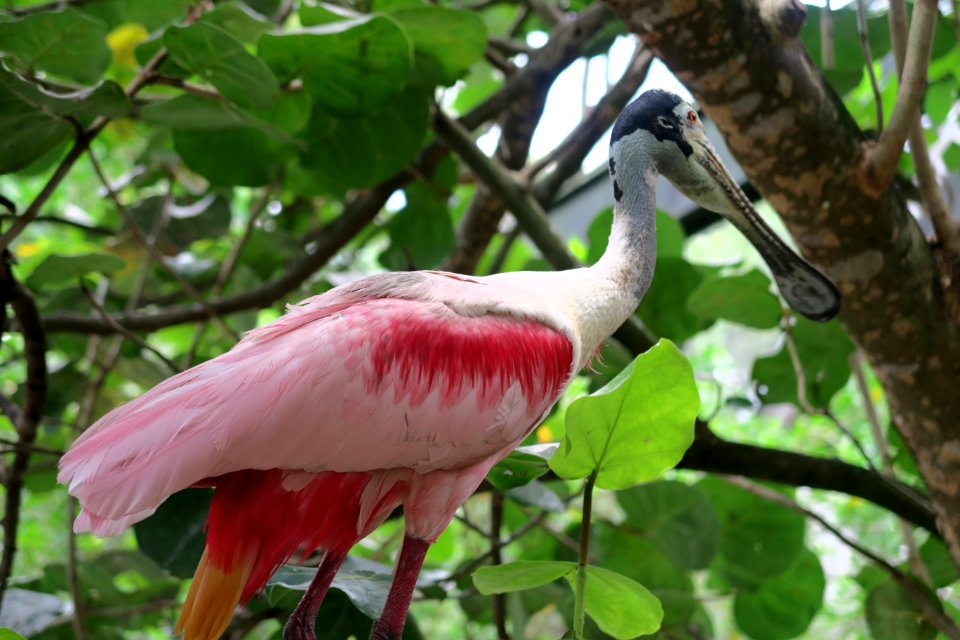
(714, 455)
(804, 153)
(35, 390)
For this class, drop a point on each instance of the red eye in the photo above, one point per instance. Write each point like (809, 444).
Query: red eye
(692, 117)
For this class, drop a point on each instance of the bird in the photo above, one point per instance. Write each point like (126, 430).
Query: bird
(401, 389)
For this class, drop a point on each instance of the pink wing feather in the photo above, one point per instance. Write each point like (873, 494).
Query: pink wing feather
(371, 377)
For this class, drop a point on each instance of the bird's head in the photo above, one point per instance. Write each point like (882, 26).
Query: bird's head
(660, 131)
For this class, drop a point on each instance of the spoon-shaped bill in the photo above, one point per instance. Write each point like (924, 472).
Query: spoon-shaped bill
(805, 288)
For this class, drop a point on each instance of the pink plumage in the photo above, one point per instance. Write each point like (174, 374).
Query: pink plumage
(401, 389)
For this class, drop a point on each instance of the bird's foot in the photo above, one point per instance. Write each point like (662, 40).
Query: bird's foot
(299, 629)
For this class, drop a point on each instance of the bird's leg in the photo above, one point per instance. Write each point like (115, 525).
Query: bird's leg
(390, 624)
(301, 624)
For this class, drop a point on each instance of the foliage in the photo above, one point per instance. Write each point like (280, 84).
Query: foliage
(256, 166)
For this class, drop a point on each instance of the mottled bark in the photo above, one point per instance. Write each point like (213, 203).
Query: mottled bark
(804, 153)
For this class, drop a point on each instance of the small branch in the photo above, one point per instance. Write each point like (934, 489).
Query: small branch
(227, 268)
(868, 60)
(100, 231)
(826, 37)
(73, 578)
(856, 365)
(119, 328)
(881, 161)
(133, 610)
(155, 253)
(930, 610)
(499, 599)
(15, 445)
(189, 87)
(802, 393)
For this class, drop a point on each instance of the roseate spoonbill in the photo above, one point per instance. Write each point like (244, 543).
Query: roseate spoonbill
(399, 389)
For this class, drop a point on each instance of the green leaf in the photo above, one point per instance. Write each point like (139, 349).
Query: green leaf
(892, 615)
(939, 565)
(678, 518)
(951, 157)
(56, 269)
(745, 299)
(220, 59)
(634, 428)
(32, 119)
(517, 576)
(516, 470)
(66, 43)
(823, 350)
(360, 152)
(620, 606)
(664, 306)
(758, 539)
(207, 217)
(152, 14)
(173, 537)
(445, 42)
(783, 608)
(421, 235)
(10, 634)
(351, 68)
(638, 558)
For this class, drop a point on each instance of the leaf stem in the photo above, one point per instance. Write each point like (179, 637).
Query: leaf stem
(580, 589)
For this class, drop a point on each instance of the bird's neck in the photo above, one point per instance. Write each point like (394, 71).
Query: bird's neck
(631, 251)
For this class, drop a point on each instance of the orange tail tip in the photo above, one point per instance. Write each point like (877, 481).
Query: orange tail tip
(213, 597)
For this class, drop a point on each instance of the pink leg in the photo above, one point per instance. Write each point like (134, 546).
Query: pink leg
(301, 624)
(390, 624)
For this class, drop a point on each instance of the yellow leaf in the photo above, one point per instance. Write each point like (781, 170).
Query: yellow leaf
(27, 249)
(123, 40)
(544, 434)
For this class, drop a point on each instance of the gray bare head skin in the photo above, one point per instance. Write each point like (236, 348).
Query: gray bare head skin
(658, 130)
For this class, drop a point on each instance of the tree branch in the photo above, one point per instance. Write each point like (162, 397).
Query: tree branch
(881, 160)
(35, 391)
(714, 455)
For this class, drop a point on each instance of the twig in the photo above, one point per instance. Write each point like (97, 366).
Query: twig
(496, 557)
(583, 557)
(154, 252)
(826, 37)
(881, 161)
(137, 340)
(100, 231)
(934, 204)
(868, 60)
(189, 87)
(930, 610)
(802, 393)
(227, 268)
(15, 445)
(856, 365)
(73, 578)
(134, 609)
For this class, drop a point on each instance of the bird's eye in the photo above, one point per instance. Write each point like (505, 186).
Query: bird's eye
(692, 117)
(664, 122)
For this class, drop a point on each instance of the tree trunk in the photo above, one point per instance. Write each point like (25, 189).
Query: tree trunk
(803, 152)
